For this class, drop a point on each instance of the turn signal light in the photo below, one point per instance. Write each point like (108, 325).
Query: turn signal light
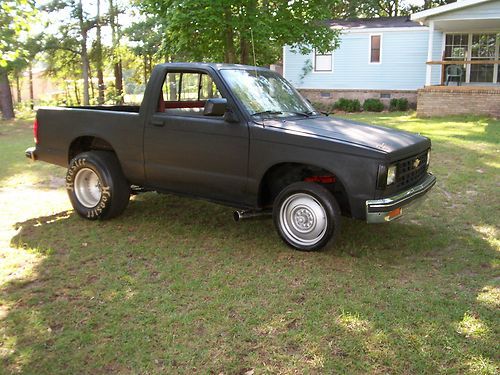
(394, 214)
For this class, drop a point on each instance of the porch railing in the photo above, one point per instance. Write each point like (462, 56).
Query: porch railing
(443, 64)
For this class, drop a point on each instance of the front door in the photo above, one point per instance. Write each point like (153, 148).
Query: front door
(190, 153)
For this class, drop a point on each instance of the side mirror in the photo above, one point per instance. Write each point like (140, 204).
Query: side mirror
(215, 107)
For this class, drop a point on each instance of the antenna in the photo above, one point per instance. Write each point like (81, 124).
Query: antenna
(253, 48)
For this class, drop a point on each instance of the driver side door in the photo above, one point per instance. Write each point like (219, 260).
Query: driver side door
(189, 153)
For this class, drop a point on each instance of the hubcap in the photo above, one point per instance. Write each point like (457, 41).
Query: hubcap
(87, 187)
(303, 219)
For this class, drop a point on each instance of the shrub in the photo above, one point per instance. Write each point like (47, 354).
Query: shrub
(320, 106)
(373, 105)
(400, 104)
(348, 105)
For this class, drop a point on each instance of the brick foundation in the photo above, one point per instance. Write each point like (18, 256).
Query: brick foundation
(458, 100)
(327, 97)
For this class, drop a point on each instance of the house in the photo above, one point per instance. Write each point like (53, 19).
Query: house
(410, 57)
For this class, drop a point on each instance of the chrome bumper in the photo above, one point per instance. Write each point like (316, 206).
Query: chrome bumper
(382, 210)
(30, 153)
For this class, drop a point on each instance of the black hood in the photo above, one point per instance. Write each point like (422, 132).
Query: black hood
(396, 143)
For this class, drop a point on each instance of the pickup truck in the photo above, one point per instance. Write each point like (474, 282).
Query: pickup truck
(241, 136)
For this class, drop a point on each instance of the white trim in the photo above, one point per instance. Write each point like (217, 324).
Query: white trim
(322, 71)
(496, 67)
(430, 45)
(284, 62)
(468, 57)
(352, 89)
(421, 16)
(370, 50)
(383, 29)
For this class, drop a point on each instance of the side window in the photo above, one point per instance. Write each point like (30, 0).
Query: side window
(186, 93)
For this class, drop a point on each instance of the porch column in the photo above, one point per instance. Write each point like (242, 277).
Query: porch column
(428, 75)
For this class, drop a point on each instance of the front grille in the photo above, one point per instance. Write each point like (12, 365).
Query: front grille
(407, 173)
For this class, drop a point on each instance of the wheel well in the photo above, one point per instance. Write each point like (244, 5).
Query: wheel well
(281, 175)
(87, 143)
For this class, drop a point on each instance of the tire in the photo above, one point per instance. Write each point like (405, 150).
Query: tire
(306, 216)
(96, 185)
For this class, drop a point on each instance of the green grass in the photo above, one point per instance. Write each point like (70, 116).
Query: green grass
(175, 286)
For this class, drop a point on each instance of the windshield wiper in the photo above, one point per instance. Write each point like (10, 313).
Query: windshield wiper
(304, 114)
(268, 112)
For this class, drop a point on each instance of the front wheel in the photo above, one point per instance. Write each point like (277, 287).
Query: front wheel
(306, 216)
(96, 185)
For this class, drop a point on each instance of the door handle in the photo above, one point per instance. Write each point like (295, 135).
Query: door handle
(158, 122)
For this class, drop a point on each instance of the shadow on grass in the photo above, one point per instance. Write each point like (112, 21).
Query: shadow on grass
(175, 286)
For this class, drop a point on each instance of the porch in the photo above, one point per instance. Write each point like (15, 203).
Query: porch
(463, 59)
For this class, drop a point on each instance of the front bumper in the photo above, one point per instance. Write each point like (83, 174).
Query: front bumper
(388, 209)
(30, 153)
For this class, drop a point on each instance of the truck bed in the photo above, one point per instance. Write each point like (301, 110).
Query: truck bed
(113, 108)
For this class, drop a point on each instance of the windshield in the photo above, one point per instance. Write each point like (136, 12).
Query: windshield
(264, 92)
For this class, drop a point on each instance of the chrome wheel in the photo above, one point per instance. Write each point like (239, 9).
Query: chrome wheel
(303, 219)
(87, 187)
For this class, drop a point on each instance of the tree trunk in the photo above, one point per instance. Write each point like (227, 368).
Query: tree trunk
(115, 37)
(32, 94)
(6, 105)
(99, 64)
(244, 51)
(229, 49)
(77, 95)
(18, 88)
(85, 57)
(145, 71)
(91, 83)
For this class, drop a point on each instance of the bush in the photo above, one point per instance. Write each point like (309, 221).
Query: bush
(320, 106)
(400, 104)
(373, 105)
(348, 105)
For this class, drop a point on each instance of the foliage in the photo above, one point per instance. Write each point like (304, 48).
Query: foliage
(306, 69)
(347, 105)
(398, 104)
(15, 17)
(373, 105)
(229, 30)
(174, 287)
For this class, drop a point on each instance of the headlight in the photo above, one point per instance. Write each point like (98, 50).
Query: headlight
(391, 175)
(428, 157)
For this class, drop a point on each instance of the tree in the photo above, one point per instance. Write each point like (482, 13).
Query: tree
(98, 55)
(115, 39)
(229, 30)
(80, 24)
(147, 39)
(14, 20)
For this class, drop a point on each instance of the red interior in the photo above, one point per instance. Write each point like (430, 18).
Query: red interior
(162, 104)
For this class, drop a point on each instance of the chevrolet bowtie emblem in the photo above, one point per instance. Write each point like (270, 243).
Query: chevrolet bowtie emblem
(416, 163)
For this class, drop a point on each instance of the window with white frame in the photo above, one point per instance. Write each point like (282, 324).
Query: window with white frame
(481, 50)
(323, 62)
(375, 48)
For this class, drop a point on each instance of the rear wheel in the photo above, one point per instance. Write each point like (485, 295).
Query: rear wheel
(96, 185)
(306, 216)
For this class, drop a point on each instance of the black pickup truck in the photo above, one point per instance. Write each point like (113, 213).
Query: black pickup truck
(241, 136)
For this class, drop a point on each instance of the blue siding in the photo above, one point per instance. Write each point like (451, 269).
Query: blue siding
(402, 67)
(437, 55)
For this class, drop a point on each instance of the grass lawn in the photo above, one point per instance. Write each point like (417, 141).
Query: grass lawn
(175, 286)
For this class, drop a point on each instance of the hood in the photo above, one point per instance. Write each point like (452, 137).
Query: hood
(385, 140)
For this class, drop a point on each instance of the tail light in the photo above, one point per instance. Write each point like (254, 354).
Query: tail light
(35, 131)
